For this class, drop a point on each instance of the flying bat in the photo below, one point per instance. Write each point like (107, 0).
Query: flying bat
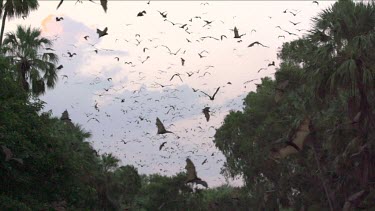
(59, 18)
(102, 33)
(163, 14)
(271, 64)
(140, 14)
(162, 145)
(213, 96)
(315, 2)
(182, 61)
(256, 43)
(206, 112)
(294, 14)
(176, 74)
(236, 34)
(294, 23)
(296, 144)
(71, 54)
(192, 174)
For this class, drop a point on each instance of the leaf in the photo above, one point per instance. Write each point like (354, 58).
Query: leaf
(104, 4)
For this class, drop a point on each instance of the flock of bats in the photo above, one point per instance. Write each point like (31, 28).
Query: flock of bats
(294, 145)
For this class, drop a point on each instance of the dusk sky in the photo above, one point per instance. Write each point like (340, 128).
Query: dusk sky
(127, 111)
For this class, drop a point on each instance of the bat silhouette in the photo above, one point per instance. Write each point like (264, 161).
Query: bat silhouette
(262, 69)
(60, 67)
(182, 61)
(177, 74)
(207, 23)
(256, 43)
(206, 112)
(59, 18)
(236, 33)
(163, 14)
(213, 96)
(192, 174)
(315, 2)
(205, 161)
(162, 145)
(102, 33)
(294, 14)
(271, 64)
(71, 54)
(86, 37)
(296, 144)
(140, 14)
(294, 23)
(290, 33)
(169, 50)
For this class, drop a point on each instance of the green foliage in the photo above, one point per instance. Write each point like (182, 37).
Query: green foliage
(330, 75)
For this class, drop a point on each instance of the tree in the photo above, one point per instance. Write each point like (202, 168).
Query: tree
(15, 8)
(31, 66)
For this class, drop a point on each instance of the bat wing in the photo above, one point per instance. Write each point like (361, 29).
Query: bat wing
(60, 3)
(236, 32)
(298, 140)
(302, 133)
(104, 4)
(161, 128)
(216, 92)
(190, 168)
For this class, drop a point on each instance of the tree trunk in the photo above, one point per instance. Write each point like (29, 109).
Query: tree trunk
(3, 27)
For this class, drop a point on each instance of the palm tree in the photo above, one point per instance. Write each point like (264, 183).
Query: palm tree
(15, 8)
(23, 48)
(346, 39)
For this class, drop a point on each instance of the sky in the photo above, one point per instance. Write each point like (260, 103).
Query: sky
(118, 92)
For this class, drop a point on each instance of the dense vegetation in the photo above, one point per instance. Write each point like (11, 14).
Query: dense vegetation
(304, 141)
(326, 81)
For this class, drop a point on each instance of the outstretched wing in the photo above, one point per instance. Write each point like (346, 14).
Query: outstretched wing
(190, 168)
(60, 3)
(236, 32)
(296, 144)
(104, 4)
(213, 96)
(161, 128)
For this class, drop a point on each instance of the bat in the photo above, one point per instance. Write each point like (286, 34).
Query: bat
(296, 144)
(206, 112)
(192, 174)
